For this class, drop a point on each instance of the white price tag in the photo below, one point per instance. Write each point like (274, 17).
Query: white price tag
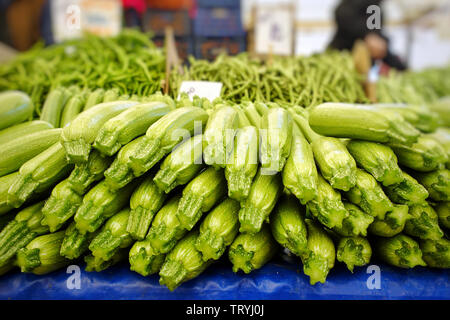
(204, 89)
(274, 27)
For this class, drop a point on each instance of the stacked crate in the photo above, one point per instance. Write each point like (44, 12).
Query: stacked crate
(218, 28)
(161, 14)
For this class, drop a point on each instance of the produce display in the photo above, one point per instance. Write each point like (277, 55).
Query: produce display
(98, 165)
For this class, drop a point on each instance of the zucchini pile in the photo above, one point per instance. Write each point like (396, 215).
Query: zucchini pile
(174, 186)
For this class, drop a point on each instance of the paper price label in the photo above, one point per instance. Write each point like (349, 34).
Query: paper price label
(102, 17)
(274, 27)
(204, 89)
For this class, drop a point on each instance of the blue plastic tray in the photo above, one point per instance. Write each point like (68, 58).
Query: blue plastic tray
(279, 280)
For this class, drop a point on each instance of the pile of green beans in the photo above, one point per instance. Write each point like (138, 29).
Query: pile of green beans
(304, 81)
(129, 62)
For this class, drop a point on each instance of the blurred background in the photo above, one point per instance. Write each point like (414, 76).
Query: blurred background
(414, 34)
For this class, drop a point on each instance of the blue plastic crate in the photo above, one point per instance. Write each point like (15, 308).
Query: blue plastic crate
(219, 3)
(218, 22)
(157, 20)
(210, 47)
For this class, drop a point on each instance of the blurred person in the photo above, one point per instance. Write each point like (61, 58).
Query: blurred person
(351, 19)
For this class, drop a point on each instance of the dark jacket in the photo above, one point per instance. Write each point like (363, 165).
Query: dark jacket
(351, 21)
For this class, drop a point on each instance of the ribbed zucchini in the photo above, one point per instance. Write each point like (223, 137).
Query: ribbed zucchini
(218, 230)
(5, 183)
(23, 148)
(85, 174)
(243, 164)
(95, 264)
(319, 258)
(436, 253)
(420, 116)
(392, 224)
(111, 95)
(23, 129)
(144, 260)
(145, 201)
(73, 107)
(276, 139)
(19, 232)
(333, 159)
(54, 105)
(183, 263)
(443, 212)
(288, 226)
(365, 122)
(369, 196)
(166, 229)
(75, 243)
(409, 191)
(354, 252)
(218, 137)
(249, 252)
(128, 125)
(15, 107)
(423, 222)
(60, 206)
(355, 224)
(300, 172)
(200, 195)
(42, 255)
(377, 159)
(99, 204)
(113, 236)
(437, 183)
(327, 207)
(400, 251)
(119, 173)
(164, 135)
(39, 174)
(81, 132)
(425, 155)
(181, 165)
(94, 98)
(263, 196)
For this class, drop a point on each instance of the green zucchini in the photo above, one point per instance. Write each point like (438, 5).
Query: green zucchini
(23, 148)
(19, 232)
(77, 137)
(42, 255)
(54, 105)
(15, 107)
(145, 202)
(5, 183)
(22, 129)
(128, 125)
(39, 174)
(365, 122)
